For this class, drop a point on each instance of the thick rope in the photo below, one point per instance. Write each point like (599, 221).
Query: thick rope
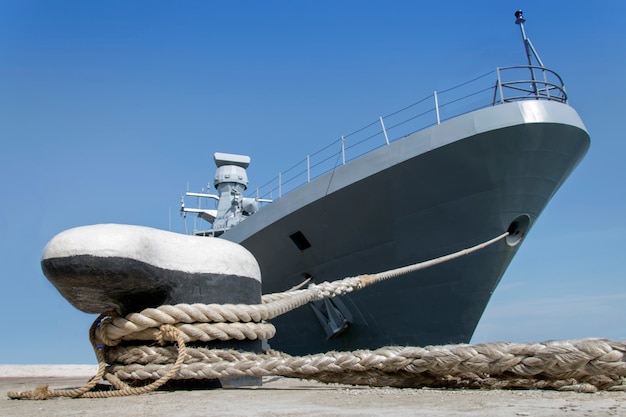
(207, 332)
(584, 365)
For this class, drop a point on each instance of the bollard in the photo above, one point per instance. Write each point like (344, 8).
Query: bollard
(128, 268)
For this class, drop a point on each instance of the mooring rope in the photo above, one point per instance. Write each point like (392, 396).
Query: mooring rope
(583, 365)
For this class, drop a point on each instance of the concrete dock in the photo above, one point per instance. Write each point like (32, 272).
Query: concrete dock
(292, 397)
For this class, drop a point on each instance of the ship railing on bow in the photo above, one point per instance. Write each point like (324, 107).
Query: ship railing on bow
(543, 84)
(511, 84)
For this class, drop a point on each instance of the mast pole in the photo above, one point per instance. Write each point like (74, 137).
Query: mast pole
(519, 20)
(530, 50)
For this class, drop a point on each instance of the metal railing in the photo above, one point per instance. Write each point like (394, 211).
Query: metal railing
(549, 87)
(512, 84)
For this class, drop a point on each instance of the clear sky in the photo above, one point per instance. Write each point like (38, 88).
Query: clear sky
(109, 109)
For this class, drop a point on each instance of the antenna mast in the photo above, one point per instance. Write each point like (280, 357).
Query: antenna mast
(528, 45)
(530, 49)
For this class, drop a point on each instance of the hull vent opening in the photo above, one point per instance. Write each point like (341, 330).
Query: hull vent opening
(300, 241)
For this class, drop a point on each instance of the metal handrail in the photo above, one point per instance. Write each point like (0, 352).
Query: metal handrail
(544, 84)
(550, 88)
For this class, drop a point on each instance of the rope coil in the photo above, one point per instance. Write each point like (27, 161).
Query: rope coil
(584, 365)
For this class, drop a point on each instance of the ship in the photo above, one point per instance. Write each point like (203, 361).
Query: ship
(485, 161)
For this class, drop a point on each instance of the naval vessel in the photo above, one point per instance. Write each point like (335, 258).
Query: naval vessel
(453, 170)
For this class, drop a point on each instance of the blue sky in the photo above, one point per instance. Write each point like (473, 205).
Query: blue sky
(109, 109)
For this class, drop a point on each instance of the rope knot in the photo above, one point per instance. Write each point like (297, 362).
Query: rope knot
(167, 333)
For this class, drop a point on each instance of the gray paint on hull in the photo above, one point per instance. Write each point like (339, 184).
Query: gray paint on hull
(421, 197)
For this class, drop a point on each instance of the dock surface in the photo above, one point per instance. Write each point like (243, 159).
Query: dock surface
(293, 397)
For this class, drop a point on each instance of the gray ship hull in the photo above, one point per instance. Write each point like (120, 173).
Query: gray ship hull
(434, 192)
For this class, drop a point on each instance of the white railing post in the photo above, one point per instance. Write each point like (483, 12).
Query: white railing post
(384, 130)
(280, 185)
(545, 83)
(343, 150)
(437, 108)
(500, 86)
(308, 168)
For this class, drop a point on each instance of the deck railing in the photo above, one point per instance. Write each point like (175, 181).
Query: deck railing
(544, 84)
(511, 84)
